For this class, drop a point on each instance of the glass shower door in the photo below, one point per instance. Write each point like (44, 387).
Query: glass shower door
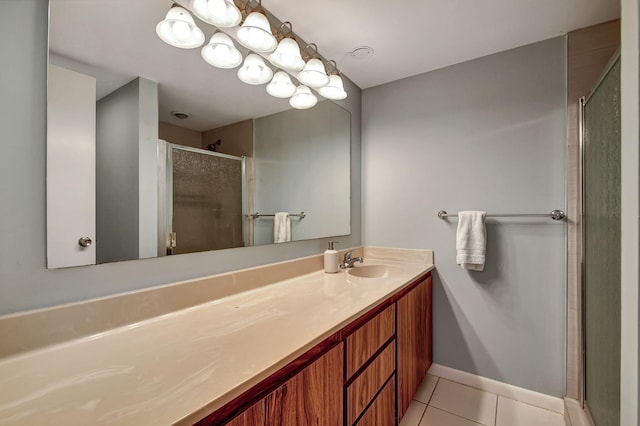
(601, 251)
(204, 200)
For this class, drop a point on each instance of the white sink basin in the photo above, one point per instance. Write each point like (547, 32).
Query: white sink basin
(374, 271)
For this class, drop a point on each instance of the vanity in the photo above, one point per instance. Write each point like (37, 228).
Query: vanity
(352, 377)
(305, 348)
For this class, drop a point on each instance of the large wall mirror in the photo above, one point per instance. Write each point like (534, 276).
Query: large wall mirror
(153, 152)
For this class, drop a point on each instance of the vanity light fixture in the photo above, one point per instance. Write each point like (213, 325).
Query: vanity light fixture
(254, 71)
(221, 52)
(287, 54)
(334, 90)
(303, 98)
(314, 74)
(221, 13)
(179, 30)
(281, 86)
(255, 33)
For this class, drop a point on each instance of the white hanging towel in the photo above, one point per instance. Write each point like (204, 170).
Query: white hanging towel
(281, 228)
(471, 240)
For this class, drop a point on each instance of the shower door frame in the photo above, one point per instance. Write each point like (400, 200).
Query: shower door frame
(165, 188)
(582, 102)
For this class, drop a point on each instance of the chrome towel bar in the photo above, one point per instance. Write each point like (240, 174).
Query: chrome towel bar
(554, 214)
(256, 215)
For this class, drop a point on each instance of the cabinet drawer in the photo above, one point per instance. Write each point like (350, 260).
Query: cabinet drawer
(383, 409)
(366, 340)
(369, 382)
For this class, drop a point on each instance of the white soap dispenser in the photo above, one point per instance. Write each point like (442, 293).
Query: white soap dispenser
(331, 259)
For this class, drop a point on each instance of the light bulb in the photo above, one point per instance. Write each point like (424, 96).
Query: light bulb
(303, 98)
(281, 85)
(217, 7)
(314, 74)
(178, 29)
(287, 56)
(221, 13)
(181, 30)
(221, 50)
(334, 90)
(253, 71)
(255, 33)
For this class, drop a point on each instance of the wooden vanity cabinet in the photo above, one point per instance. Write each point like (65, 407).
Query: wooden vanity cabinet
(311, 397)
(382, 410)
(370, 347)
(366, 374)
(252, 416)
(414, 341)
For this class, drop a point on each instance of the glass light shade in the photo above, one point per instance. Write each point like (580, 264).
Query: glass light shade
(287, 55)
(314, 74)
(255, 33)
(254, 71)
(221, 52)
(281, 86)
(179, 30)
(221, 13)
(334, 90)
(303, 98)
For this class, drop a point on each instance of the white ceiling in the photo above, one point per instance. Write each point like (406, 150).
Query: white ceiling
(115, 41)
(415, 36)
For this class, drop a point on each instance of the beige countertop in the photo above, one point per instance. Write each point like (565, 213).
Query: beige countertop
(183, 365)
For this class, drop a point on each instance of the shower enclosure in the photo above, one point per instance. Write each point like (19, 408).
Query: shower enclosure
(202, 208)
(600, 146)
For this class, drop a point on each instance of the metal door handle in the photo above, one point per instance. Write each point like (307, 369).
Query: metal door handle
(85, 242)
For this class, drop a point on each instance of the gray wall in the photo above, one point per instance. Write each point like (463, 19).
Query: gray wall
(25, 282)
(127, 172)
(117, 185)
(301, 163)
(148, 168)
(488, 134)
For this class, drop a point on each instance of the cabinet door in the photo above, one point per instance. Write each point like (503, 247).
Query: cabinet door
(414, 342)
(252, 416)
(311, 397)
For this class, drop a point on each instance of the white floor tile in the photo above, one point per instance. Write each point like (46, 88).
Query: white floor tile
(512, 412)
(414, 414)
(436, 417)
(464, 401)
(426, 389)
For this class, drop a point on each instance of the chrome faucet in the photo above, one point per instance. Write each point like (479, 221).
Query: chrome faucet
(348, 261)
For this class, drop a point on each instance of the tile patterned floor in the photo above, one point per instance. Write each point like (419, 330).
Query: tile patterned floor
(441, 402)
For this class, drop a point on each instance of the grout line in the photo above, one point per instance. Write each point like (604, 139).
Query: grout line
(432, 392)
(530, 405)
(434, 389)
(471, 387)
(495, 418)
(459, 416)
(423, 413)
(484, 384)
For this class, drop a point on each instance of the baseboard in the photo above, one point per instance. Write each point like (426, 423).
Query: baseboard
(575, 415)
(527, 396)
